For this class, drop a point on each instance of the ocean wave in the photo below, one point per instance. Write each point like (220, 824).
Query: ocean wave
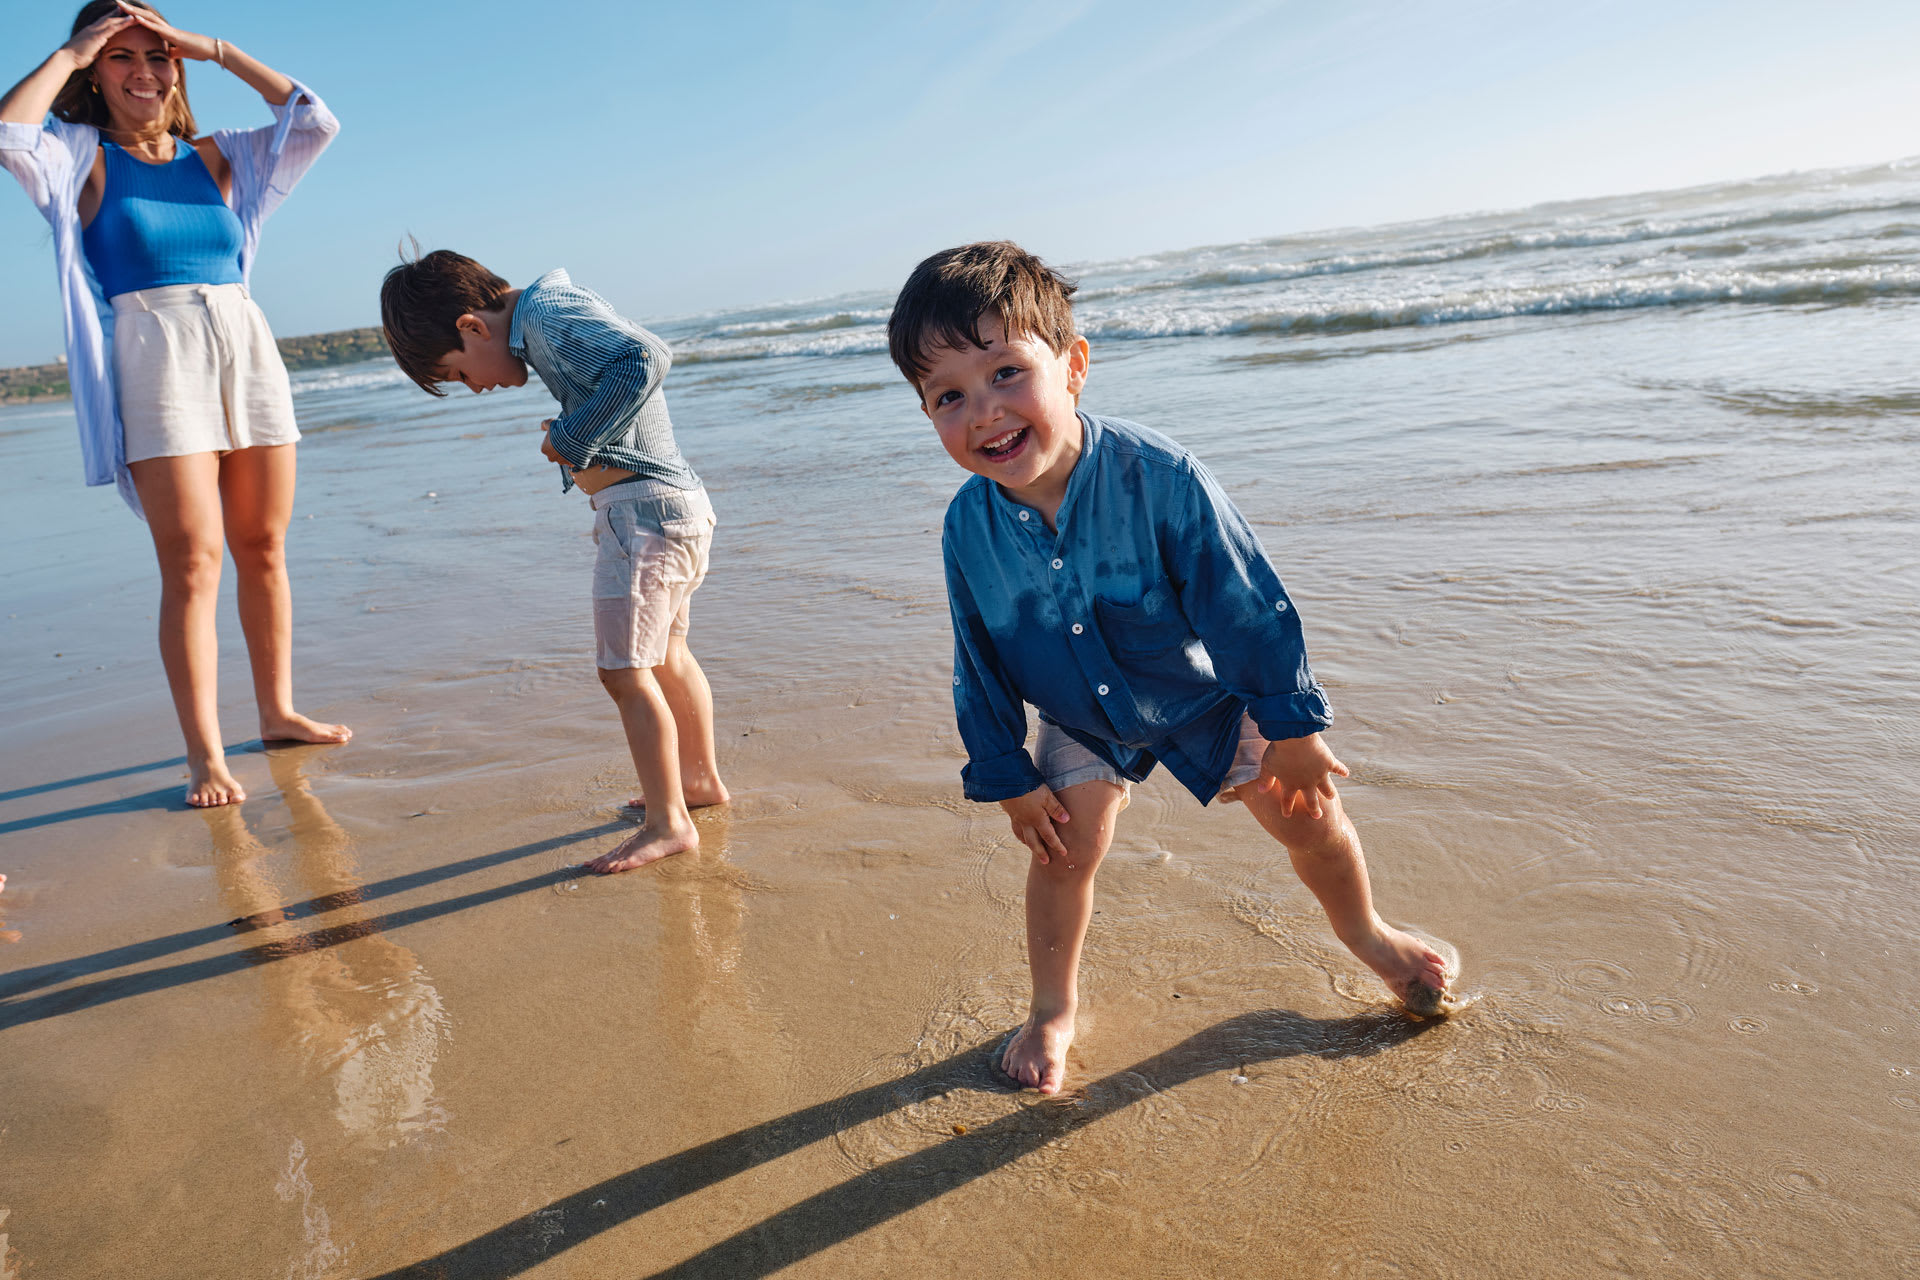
(801, 324)
(842, 342)
(1783, 288)
(1841, 282)
(1489, 246)
(347, 378)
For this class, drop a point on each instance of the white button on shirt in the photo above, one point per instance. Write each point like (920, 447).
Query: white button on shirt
(1103, 691)
(1025, 515)
(1058, 563)
(1077, 628)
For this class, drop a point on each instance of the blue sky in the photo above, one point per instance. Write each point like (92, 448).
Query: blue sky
(681, 158)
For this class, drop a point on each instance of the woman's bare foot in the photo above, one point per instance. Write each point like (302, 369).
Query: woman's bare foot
(1037, 1054)
(644, 846)
(209, 786)
(1412, 970)
(699, 796)
(294, 727)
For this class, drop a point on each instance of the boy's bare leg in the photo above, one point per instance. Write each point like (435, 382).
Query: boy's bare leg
(648, 720)
(1328, 859)
(1059, 904)
(691, 700)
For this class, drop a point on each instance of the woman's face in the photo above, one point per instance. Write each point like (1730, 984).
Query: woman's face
(136, 79)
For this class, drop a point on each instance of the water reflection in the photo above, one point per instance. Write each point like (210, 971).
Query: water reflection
(6, 935)
(705, 1010)
(361, 1014)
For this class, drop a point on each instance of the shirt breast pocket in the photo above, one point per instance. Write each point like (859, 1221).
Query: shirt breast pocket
(1153, 627)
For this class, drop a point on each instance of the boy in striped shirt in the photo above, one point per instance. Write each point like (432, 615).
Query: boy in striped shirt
(449, 319)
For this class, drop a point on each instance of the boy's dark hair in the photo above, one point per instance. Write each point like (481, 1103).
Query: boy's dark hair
(420, 302)
(943, 300)
(79, 100)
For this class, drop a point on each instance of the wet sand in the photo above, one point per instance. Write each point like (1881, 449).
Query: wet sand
(1627, 686)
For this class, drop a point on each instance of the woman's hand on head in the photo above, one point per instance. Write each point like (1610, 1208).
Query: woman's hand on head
(91, 39)
(180, 44)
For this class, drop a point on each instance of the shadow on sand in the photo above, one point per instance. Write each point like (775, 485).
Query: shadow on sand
(15, 1012)
(178, 762)
(886, 1191)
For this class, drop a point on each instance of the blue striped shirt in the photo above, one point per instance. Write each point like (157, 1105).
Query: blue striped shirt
(1146, 627)
(606, 372)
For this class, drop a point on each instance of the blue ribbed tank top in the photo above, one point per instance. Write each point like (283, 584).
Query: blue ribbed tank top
(161, 224)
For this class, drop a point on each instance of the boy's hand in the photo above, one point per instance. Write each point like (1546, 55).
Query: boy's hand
(1300, 770)
(1033, 816)
(546, 441)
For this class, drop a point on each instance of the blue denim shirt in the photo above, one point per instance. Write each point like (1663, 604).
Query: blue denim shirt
(1145, 627)
(606, 371)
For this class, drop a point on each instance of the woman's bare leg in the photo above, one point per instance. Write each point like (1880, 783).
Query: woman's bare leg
(256, 486)
(181, 497)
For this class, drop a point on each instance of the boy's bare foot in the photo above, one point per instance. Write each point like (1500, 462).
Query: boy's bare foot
(644, 846)
(294, 727)
(210, 785)
(1037, 1054)
(1412, 970)
(699, 796)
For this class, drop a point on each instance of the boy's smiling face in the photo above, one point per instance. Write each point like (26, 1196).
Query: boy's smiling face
(1006, 412)
(482, 361)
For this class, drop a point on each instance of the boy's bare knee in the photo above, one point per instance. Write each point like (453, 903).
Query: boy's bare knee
(679, 659)
(1328, 836)
(624, 682)
(1077, 865)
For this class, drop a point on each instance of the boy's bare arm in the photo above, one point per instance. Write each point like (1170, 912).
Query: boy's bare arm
(1301, 770)
(1033, 816)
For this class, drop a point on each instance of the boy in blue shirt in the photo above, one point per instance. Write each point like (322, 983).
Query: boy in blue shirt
(1097, 571)
(449, 319)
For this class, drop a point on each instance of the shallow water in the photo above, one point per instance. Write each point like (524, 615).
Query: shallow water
(1616, 602)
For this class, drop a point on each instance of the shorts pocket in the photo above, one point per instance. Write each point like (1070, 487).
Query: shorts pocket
(1151, 626)
(613, 542)
(687, 528)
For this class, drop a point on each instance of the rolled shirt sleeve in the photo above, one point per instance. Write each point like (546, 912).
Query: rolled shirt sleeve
(268, 162)
(622, 386)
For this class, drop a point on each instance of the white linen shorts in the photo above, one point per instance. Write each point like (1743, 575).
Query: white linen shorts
(196, 371)
(1063, 762)
(651, 544)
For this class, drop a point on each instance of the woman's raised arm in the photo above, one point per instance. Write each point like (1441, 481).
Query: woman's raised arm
(265, 81)
(29, 101)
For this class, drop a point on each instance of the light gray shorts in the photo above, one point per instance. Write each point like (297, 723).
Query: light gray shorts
(652, 542)
(1064, 762)
(195, 370)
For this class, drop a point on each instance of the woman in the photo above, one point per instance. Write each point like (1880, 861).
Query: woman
(180, 393)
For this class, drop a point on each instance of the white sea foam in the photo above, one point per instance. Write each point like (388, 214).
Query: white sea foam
(351, 377)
